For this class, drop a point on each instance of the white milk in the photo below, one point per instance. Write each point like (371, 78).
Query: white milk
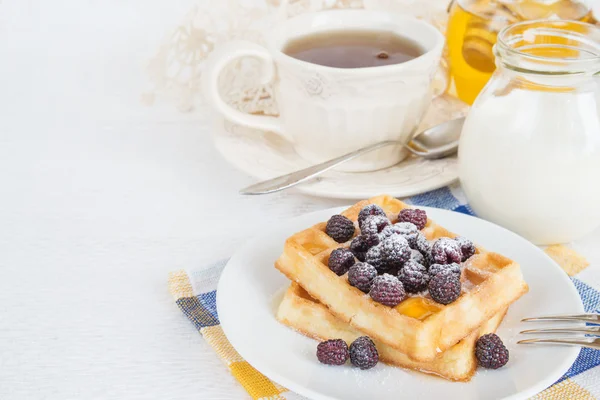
(530, 161)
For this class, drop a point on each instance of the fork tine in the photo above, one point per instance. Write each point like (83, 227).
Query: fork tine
(592, 330)
(591, 318)
(592, 343)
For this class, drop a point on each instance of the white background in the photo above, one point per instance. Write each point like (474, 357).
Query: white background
(100, 197)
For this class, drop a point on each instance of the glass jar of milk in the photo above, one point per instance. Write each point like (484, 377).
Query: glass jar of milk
(529, 155)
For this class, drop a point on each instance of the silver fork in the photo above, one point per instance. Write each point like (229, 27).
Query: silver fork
(587, 341)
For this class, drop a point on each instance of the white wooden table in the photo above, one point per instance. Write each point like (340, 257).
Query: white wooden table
(100, 197)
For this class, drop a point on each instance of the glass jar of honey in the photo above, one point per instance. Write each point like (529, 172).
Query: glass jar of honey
(473, 27)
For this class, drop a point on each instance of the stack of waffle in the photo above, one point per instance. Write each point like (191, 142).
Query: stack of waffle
(418, 333)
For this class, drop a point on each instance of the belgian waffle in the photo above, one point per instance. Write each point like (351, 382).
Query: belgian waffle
(306, 315)
(418, 326)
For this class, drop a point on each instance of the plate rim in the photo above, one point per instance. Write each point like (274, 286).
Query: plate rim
(305, 391)
(219, 120)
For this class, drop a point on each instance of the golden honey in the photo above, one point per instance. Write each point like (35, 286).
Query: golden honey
(418, 307)
(473, 28)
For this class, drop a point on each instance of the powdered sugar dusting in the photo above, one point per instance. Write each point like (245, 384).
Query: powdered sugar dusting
(423, 245)
(414, 277)
(374, 224)
(405, 229)
(407, 226)
(374, 256)
(417, 257)
(363, 353)
(446, 244)
(369, 210)
(397, 239)
(387, 290)
(446, 251)
(445, 268)
(388, 279)
(395, 251)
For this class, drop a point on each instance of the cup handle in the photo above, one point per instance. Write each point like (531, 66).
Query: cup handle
(214, 66)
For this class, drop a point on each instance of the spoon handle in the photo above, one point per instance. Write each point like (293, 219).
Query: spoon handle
(287, 181)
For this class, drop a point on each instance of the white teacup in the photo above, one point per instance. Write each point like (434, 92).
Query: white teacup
(326, 112)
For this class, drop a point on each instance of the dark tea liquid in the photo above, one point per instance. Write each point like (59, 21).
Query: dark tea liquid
(353, 49)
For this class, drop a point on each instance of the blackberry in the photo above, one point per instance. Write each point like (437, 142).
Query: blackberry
(446, 251)
(414, 215)
(333, 352)
(424, 247)
(405, 229)
(367, 211)
(491, 352)
(467, 247)
(444, 288)
(453, 268)
(340, 260)
(387, 290)
(417, 257)
(374, 224)
(340, 228)
(361, 244)
(374, 257)
(395, 251)
(388, 231)
(414, 277)
(361, 276)
(363, 353)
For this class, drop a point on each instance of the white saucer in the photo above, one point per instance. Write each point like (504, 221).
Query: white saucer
(250, 289)
(265, 155)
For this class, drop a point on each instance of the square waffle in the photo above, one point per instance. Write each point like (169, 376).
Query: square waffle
(306, 315)
(418, 326)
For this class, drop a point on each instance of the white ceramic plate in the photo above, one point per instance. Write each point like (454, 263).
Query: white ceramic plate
(250, 289)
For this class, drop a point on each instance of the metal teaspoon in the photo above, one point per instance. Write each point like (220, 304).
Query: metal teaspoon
(436, 142)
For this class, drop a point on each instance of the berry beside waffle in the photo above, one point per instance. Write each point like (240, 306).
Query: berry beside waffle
(301, 312)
